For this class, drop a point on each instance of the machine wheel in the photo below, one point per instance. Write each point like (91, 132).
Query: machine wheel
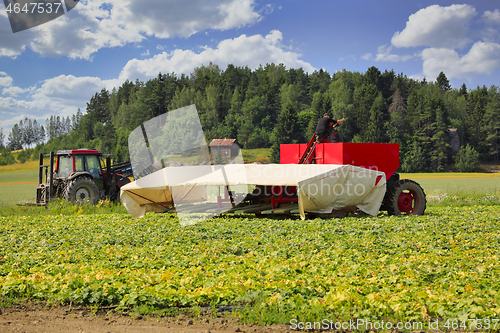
(82, 190)
(405, 197)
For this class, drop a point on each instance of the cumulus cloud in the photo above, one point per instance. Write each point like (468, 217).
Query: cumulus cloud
(5, 80)
(483, 58)
(384, 54)
(64, 94)
(437, 26)
(97, 24)
(12, 45)
(59, 96)
(13, 91)
(492, 17)
(367, 56)
(438, 33)
(244, 50)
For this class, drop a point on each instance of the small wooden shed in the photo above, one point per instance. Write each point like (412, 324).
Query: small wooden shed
(226, 148)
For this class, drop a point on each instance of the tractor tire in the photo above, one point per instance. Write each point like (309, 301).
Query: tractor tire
(405, 197)
(82, 190)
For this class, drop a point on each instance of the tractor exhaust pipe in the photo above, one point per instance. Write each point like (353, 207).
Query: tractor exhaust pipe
(51, 176)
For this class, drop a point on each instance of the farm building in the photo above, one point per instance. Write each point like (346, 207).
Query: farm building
(226, 148)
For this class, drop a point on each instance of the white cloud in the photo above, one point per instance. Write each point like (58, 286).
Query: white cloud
(237, 14)
(64, 94)
(59, 96)
(367, 56)
(68, 86)
(13, 91)
(492, 17)
(97, 24)
(244, 50)
(483, 58)
(269, 8)
(5, 80)
(384, 54)
(437, 26)
(12, 45)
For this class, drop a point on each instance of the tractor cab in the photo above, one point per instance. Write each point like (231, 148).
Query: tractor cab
(70, 163)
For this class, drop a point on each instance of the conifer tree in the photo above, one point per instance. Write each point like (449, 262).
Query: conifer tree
(492, 125)
(375, 132)
(285, 130)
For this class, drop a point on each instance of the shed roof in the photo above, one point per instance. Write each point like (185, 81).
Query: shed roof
(222, 142)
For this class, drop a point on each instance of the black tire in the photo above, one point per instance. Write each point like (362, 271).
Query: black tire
(82, 190)
(405, 197)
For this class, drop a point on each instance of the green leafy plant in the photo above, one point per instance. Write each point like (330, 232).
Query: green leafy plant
(441, 265)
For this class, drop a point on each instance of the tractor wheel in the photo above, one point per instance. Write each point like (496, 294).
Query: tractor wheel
(405, 197)
(82, 190)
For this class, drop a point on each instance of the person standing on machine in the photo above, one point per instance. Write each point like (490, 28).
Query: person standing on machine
(325, 126)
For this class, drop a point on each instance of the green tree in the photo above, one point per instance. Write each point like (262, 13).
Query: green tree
(182, 98)
(378, 111)
(473, 129)
(6, 157)
(440, 141)
(321, 104)
(342, 107)
(97, 108)
(443, 82)
(467, 159)
(363, 97)
(492, 125)
(285, 130)
(2, 138)
(233, 119)
(414, 160)
(397, 126)
(15, 138)
(24, 155)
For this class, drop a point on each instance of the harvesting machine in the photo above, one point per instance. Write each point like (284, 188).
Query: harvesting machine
(312, 178)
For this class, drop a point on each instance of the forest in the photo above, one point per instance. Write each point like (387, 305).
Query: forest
(273, 105)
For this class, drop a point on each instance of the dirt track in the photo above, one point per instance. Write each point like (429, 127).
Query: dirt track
(37, 318)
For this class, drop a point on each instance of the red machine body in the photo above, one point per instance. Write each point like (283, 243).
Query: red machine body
(376, 156)
(403, 196)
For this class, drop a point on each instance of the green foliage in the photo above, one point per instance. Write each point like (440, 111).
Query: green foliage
(244, 104)
(492, 124)
(218, 160)
(467, 159)
(441, 265)
(443, 82)
(6, 157)
(414, 160)
(57, 207)
(24, 155)
(286, 129)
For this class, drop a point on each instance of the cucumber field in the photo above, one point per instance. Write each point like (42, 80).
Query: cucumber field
(268, 270)
(442, 265)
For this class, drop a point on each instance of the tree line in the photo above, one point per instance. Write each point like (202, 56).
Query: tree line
(272, 105)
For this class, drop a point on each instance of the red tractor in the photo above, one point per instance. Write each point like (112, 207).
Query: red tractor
(79, 175)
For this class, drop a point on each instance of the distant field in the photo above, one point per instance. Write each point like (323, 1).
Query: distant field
(11, 195)
(28, 166)
(18, 187)
(19, 177)
(469, 187)
(256, 155)
(456, 182)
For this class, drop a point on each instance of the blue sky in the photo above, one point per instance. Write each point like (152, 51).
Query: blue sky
(55, 68)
